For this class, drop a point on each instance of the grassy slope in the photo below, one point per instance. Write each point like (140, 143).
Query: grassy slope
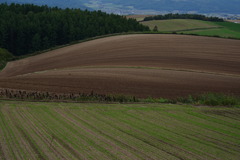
(229, 30)
(203, 28)
(107, 131)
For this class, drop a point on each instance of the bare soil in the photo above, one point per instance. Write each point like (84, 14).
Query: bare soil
(140, 65)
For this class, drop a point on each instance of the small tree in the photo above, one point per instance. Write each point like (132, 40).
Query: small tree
(155, 29)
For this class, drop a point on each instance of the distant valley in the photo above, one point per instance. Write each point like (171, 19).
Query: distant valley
(214, 7)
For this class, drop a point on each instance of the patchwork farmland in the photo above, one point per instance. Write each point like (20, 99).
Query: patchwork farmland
(175, 25)
(196, 27)
(113, 131)
(139, 65)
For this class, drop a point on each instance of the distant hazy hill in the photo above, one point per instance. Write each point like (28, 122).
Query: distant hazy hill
(146, 6)
(59, 3)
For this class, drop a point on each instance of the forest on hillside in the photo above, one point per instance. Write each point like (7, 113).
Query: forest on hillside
(29, 28)
(183, 16)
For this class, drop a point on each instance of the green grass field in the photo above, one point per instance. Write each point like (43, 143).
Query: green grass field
(34, 130)
(197, 27)
(229, 30)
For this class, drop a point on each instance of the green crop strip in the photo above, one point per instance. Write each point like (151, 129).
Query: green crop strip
(117, 131)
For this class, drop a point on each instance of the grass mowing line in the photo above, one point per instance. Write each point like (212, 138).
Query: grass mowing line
(189, 127)
(32, 143)
(26, 134)
(215, 129)
(180, 132)
(38, 133)
(212, 128)
(52, 145)
(230, 117)
(130, 140)
(31, 133)
(154, 135)
(76, 132)
(218, 121)
(58, 154)
(122, 128)
(233, 115)
(185, 139)
(152, 116)
(228, 148)
(10, 133)
(232, 122)
(104, 146)
(107, 136)
(119, 139)
(2, 155)
(26, 147)
(138, 134)
(64, 135)
(42, 115)
(2, 136)
(221, 128)
(190, 130)
(8, 137)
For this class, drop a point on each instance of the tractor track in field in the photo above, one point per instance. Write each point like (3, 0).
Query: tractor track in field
(109, 147)
(122, 127)
(102, 132)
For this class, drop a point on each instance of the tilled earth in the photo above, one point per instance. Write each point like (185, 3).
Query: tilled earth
(139, 65)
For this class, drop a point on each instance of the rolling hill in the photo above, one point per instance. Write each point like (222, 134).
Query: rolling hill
(140, 65)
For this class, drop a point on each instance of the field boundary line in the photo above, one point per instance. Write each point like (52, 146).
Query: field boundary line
(195, 29)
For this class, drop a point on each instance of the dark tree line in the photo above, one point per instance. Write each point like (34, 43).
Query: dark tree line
(28, 28)
(183, 16)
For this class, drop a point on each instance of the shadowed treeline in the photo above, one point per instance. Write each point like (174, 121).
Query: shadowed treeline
(28, 28)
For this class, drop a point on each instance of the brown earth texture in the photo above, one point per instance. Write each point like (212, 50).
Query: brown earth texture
(142, 65)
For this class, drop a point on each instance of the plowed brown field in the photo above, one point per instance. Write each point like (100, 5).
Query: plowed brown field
(140, 65)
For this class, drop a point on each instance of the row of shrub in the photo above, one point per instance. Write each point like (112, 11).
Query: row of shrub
(210, 99)
(183, 16)
(51, 96)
